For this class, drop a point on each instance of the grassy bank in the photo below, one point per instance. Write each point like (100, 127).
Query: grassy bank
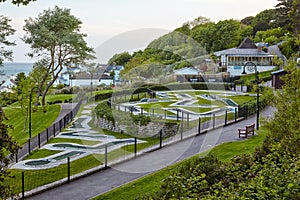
(40, 121)
(151, 183)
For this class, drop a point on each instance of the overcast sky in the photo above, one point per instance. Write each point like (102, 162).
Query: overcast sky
(104, 21)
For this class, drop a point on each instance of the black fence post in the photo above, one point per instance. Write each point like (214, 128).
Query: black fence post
(160, 138)
(17, 156)
(69, 170)
(214, 120)
(23, 184)
(235, 114)
(226, 117)
(60, 125)
(181, 132)
(39, 140)
(135, 146)
(29, 148)
(47, 134)
(177, 115)
(199, 126)
(105, 157)
(187, 119)
(54, 130)
(142, 111)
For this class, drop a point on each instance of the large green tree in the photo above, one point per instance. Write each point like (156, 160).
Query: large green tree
(7, 145)
(120, 59)
(55, 38)
(19, 2)
(5, 31)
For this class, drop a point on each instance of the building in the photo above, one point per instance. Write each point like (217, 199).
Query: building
(232, 60)
(277, 81)
(188, 74)
(85, 79)
(116, 69)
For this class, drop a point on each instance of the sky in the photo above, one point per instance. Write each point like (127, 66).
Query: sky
(114, 26)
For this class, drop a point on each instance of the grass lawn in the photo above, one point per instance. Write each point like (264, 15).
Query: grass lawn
(40, 122)
(59, 97)
(240, 99)
(71, 140)
(151, 183)
(41, 153)
(35, 178)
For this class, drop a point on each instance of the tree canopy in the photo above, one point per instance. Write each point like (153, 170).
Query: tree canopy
(55, 39)
(5, 31)
(19, 2)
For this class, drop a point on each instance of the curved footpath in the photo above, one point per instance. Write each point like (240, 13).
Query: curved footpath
(123, 173)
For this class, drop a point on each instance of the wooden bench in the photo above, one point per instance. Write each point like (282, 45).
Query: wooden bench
(247, 130)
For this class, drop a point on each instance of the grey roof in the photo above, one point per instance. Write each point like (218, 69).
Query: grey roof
(281, 71)
(247, 44)
(242, 52)
(246, 48)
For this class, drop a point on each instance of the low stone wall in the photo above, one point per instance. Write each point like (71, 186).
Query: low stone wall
(150, 130)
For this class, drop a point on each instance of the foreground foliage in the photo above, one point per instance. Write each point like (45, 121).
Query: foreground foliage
(272, 172)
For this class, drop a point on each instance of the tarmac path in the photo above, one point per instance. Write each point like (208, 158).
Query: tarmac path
(125, 172)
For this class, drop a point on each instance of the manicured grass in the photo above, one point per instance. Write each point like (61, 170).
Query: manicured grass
(240, 99)
(40, 122)
(249, 77)
(41, 153)
(35, 178)
(151, 183)
(59, 97)
(71, 140)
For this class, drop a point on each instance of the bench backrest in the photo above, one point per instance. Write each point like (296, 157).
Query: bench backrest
(250, 128)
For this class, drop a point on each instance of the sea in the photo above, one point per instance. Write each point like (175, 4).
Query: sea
(11, 69)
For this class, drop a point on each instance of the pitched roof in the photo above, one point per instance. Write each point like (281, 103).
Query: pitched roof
(186, 71)
(247, 44)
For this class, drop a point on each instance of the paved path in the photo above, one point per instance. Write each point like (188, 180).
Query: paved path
(65, 109)
(120, 174)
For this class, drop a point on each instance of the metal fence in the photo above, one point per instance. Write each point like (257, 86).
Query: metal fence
(43, 137)
(29, 182)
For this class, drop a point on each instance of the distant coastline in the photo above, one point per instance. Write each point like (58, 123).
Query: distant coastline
(11, 69)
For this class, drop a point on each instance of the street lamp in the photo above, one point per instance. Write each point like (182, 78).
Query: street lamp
(252, 67)
(30, 100)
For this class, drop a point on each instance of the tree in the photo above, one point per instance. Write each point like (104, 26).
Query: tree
(283, 9)
(5, 31)
(120, 59)
(247, 20)
(7, 145)
(18, 2)
(56, 41)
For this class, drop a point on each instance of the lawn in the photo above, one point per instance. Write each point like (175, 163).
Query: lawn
(60, 97)
(40, 121)
(151, 183)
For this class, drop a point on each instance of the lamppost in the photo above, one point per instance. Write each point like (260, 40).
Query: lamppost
(252, 67)
(29, 108)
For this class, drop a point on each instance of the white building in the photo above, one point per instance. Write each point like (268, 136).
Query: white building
(233, 60)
